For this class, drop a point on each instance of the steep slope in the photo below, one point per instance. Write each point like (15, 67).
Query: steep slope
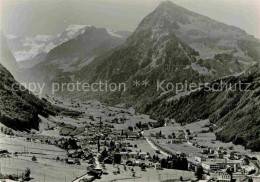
(6, 57)
(19, 109)
(233, 105)
(161, 49)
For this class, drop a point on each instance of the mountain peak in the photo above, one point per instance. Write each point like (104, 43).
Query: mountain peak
(166, 3)
(166, 18)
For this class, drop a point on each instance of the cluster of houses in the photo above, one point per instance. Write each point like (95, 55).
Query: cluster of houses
(221, 164)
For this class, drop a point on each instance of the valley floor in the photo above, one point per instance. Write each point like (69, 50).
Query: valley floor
(51, 164)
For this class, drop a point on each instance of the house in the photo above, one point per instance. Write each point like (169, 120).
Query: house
(70, 161)
(218, 165)
(133, 154)
(211, 156)
(136, 162)
(176, 141)
(204, 151)
(220, 154)
(133, 136)
(142, 154)
(210, 166)
(200, 158)
(232, 155)
(221, 176)
(245, 162)
(157, 166)
(124, 155)
(108, 160)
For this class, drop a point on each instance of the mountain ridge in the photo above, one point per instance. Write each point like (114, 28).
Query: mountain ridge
(235, 111)
(157, 49)
(170, 43)
(19, 108)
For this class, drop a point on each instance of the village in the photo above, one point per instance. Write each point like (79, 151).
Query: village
(105, 143)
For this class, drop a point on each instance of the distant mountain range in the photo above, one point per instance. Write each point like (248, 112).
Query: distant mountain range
(74, 54)
(29, 51)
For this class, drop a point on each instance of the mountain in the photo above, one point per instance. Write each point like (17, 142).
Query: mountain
(6, 57)
(171, 44)
(26, 48)
(175, 45)
(75, 53)
(235, 109)
(207, 36)
(30, 51)
(19, 108)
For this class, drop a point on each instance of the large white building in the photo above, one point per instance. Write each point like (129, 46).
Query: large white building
(218, 165)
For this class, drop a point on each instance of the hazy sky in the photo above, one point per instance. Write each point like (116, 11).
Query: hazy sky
(31, 17)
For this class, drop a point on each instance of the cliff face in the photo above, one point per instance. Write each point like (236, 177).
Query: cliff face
(19, 109)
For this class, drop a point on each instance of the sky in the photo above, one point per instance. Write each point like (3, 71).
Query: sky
(33, 17)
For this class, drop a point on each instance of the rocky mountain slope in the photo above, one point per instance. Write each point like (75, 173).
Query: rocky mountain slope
(234, 106)
(19, 109)
(170, 44)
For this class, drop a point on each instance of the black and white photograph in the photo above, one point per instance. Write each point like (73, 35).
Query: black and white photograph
(130, 90)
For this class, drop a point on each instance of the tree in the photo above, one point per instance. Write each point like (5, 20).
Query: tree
(117, 159)
(173, 135)
(27, 173)
(34, 159)
(164, 163)
(188, 131)
(130, 128)
(181, 178)
(72, 143)
(112, 144)
(199, 172)
(250, 180)
(104, 153)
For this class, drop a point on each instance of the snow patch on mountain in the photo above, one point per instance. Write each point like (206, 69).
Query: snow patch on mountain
(73, 30)
(112, 33)
(26, 48)
(201, 70)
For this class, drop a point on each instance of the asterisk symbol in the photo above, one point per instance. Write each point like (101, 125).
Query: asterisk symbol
(136, 83)
(145, 83)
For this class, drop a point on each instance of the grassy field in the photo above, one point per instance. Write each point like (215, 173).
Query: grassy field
(150, 175)
(45, 167)
(44, 170)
